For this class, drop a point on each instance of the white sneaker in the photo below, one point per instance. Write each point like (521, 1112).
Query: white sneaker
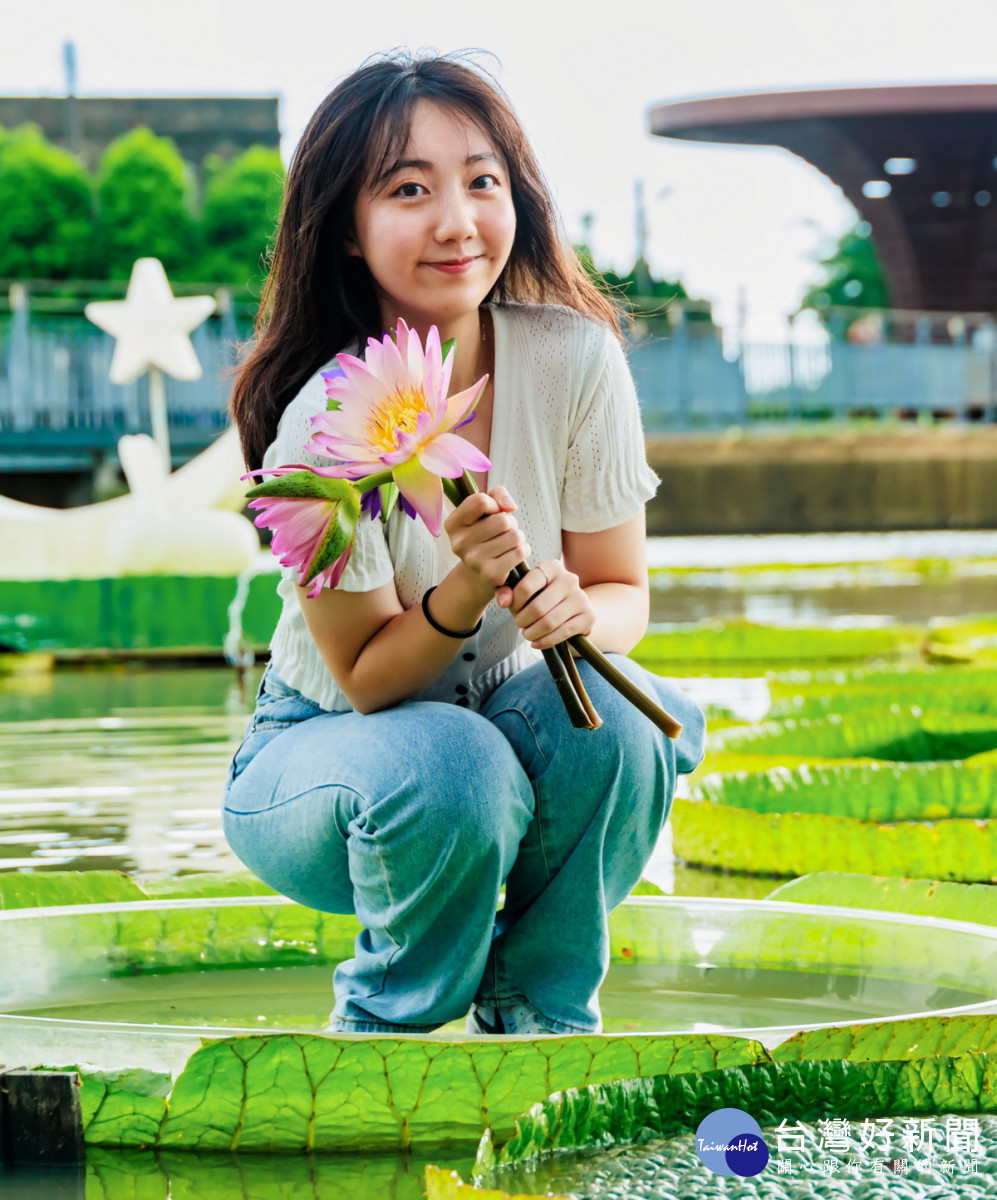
(519, 1019)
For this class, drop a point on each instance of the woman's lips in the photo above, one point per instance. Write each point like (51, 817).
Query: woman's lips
(454, 266)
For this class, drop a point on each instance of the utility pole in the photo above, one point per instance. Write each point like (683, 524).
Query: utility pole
(72, 101)
(642, 271)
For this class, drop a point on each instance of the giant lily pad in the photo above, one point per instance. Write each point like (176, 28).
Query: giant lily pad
(71, 977)
(867, 791)
(969, 640)
(925, 897)
(764, 646)
(869, 798)
(893, 1069)
(895, 733)
(608, 1114)
(795, 843)
(821, 693)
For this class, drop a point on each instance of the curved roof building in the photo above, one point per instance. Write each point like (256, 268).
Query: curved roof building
(919, 163)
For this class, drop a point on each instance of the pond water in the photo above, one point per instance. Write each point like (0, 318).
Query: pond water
(641, 999)
(122, 767)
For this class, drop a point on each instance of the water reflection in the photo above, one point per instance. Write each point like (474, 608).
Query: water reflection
(121, 770)
(157, 1175)
(819, 597)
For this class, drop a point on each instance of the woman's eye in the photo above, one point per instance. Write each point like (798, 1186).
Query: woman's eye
(409, 190)
(485, 182)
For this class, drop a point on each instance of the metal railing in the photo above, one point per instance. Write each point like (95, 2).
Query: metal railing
(57, 405)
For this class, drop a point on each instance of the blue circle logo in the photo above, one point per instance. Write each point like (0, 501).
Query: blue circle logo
(730, 1142)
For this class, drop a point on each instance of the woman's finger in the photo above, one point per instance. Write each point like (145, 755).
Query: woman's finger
(503, 499)
(535, 581)
(481, 504)
(572, 623)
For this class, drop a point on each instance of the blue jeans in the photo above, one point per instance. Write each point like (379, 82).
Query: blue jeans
(415, 816)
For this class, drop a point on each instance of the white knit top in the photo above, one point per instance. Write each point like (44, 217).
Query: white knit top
(567, 443)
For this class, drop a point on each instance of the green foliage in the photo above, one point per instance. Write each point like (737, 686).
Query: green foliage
(59, 223)
(241, 206)
(853, 278)
(50, 888)
(645, 296)
(144, 211)
(46, 209)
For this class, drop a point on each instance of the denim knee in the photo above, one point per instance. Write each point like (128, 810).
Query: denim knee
(460, 783)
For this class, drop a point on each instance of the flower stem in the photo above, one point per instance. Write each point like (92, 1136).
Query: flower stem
(562, 666)
(629, 690)
(581, 712)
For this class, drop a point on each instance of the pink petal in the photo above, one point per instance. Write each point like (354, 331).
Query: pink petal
(439, 458)
(347, 449)
(386, 365)
(449, 454)
(423, 490)
(459, 405)
(432, 365)
(426, 425)
(348, 421)
(298, 527)
(408, 445)
(361, 381)
(332, 573)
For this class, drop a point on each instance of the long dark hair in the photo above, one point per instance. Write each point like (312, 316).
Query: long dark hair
(317, 298)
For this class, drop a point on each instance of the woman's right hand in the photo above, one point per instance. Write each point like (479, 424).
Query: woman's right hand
(486, 537)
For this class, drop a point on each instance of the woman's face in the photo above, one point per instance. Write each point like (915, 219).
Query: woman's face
(437, 231)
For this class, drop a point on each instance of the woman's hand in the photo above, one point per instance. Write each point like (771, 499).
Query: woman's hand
(487, 539)
(548, 605)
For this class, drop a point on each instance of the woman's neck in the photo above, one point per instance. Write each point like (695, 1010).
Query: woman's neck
(470, 361)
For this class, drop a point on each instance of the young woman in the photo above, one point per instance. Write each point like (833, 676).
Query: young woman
(409, 754)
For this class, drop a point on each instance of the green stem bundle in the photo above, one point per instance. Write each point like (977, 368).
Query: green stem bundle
(561, 663)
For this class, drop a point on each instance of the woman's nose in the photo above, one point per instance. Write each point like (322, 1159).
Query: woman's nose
(455, 220)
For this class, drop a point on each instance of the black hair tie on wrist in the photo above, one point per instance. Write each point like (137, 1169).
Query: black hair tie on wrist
(439, 628)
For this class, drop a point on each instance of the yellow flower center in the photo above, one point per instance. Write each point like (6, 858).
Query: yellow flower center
(395, 414)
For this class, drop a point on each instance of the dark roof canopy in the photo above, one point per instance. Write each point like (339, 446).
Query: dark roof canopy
(934, 147)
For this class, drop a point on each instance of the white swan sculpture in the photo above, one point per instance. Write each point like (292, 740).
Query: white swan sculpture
(184, 523)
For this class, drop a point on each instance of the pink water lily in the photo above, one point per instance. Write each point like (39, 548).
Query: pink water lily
(390, 412)
(313, 519)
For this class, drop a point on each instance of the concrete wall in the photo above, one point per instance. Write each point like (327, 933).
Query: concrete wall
(762, 483)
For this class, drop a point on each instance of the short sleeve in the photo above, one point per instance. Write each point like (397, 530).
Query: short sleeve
(370, 564)
(607, 480)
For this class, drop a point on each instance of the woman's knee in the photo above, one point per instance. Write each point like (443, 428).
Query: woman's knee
(295, 844)
(460, 781)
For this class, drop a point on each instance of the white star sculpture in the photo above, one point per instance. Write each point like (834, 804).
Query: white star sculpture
(151, 326)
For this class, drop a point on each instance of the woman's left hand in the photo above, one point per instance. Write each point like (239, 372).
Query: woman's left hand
(548, 605)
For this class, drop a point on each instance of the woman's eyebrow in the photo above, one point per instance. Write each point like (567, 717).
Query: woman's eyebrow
(421, 164)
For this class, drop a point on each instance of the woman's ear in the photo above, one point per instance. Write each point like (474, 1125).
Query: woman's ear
(351, 246)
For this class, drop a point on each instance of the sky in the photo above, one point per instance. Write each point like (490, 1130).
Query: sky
(730, 221)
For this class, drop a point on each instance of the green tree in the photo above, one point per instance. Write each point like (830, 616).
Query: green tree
(46, 209)
(241, 205)
(143, 206)
(853, 277)
(646, 297)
